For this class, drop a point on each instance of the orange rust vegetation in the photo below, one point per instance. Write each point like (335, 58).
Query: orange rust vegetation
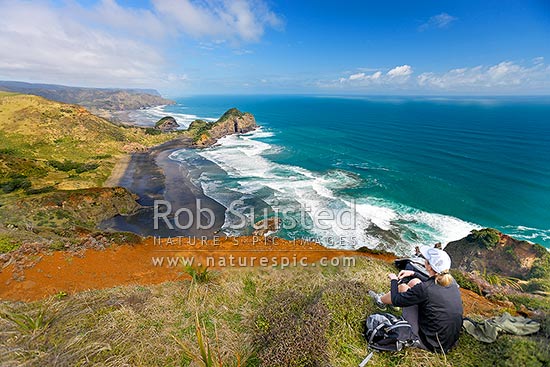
(133, 264)
(61, 271)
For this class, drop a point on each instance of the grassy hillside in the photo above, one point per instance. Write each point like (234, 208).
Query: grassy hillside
(47, 151)
(51, 144)
(304, 316)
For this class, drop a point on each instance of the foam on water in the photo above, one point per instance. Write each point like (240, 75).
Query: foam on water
(251, 174)
(527, 233)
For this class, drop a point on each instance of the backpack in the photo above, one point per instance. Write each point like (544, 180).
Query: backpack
(386, 332)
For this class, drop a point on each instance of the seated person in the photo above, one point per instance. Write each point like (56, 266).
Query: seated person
(432, 305)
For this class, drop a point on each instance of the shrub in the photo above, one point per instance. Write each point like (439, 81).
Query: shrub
(498, 280)
(207, 354)
(102, 156)
(121, 238)
(67, 166)
(40, 190)
(530, 301)
(466, 282)
(18, 182)
(487, 237)
(8, 151)
(151, 131)
(7, 245)
(198, 128)
(538, 285)
(199, 274)
(541, 267)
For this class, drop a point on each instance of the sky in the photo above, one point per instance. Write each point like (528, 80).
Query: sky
(186, 47)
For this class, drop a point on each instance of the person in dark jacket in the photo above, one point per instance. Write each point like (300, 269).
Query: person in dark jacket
(432, 305)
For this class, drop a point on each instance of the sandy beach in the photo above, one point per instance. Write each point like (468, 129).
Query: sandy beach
(118, 171)
(152, 175)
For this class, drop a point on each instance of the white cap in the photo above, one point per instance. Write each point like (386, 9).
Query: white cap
(438, 259)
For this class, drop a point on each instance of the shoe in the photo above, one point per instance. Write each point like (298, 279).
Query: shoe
(377, 297)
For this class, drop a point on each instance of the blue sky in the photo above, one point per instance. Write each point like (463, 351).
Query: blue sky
(184, 47)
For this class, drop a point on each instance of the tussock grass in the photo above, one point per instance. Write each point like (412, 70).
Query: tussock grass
(308, 316)
(200, 274)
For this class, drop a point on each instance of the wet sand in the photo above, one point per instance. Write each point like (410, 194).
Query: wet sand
(152, 175)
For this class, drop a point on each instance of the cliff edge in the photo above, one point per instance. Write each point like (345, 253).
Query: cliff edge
(498, 263)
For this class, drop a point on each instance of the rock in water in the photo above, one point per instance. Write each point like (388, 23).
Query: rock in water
(232, 122)
(166, 124)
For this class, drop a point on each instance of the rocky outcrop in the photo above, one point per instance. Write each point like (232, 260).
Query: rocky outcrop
(489, 251)
(67, 208)
(232, 122)
(167, 124)
(267, 226)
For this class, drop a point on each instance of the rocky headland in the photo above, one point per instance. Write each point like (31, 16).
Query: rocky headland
(233, 121)
(166, 124)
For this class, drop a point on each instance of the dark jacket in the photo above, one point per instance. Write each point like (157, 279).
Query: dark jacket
(439, 312)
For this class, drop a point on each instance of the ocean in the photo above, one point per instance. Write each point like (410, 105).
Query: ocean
(414, 170)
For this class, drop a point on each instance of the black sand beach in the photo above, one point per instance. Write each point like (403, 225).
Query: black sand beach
(152, 175)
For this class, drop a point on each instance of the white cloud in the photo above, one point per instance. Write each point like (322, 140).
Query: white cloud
(538, 60)
(504, 77)
(362, 76)
(376, 75)
(236, 19)
(442, 20)
(394, 77)
(108, 44)
(40, 43)
(357, 76)
(134, 21)
(402, 71)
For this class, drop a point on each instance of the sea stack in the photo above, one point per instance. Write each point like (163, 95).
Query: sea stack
(233, 121)
(167, 124)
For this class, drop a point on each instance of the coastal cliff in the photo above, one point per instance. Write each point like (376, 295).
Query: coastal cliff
(95, 99)
(488, 249)
(493, 263)
(233, 121)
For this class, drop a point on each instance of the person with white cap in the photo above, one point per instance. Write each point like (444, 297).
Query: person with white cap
(432, 306)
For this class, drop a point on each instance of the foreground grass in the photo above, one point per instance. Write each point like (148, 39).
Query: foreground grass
(251, 317)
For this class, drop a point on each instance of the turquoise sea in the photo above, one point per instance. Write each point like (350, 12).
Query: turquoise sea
(420, 170)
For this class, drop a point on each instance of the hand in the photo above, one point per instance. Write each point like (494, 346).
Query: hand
(392, 276)
(405, 273)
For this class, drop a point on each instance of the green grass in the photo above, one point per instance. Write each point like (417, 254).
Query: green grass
(252, 317)
(200, 274)
(7, 244)
(31, 322)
